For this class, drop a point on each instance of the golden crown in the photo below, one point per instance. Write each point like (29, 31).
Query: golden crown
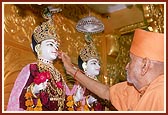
(45, 31)
(89, 51)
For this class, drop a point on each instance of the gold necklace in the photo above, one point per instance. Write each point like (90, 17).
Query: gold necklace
(55, 93)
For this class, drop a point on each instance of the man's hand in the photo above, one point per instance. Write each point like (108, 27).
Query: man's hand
(67, 63)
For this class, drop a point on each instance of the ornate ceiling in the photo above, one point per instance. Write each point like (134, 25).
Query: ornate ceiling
(114, 16)
(118, 15)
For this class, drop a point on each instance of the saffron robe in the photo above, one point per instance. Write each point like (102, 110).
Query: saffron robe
(125, 97)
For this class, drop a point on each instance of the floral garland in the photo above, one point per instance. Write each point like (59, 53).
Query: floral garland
(72, 105)
(29, 103)
(40, 78)
(42, 72)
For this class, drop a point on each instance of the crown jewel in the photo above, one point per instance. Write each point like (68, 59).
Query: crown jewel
(89, 51)
(45, 31)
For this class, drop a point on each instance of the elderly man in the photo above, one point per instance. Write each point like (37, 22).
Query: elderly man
(144, 88)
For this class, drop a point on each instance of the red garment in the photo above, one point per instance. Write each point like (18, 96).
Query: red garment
(125, 97)
(22, 83)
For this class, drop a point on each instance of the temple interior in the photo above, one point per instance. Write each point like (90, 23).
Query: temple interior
(113, 43)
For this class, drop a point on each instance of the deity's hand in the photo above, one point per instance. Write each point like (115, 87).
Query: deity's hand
(79, 94)
(91, 99)
(41, 86)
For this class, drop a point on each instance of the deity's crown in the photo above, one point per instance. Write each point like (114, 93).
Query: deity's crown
(45, 31)
(89, 51)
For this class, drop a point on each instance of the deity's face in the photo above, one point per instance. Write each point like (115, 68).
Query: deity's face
(92, 67)
(49, 49)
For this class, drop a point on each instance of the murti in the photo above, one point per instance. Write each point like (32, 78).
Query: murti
(55, 86)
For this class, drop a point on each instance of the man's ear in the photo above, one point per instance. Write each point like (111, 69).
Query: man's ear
(145, 65)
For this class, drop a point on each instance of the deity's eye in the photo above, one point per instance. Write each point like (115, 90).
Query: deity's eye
(50, 44)
(93, 63)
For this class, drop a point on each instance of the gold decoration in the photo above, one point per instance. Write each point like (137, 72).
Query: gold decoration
(116, 67)
(17, 38)
(89, 51)
(154, 14)
(38, 106)
(130, 28)
(29, 101)
(45, 31)
(55, 93)
(112, 45)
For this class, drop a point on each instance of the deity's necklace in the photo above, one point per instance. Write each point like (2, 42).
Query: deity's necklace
(55, 92)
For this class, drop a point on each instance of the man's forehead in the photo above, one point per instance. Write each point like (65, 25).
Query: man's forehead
(134, 56)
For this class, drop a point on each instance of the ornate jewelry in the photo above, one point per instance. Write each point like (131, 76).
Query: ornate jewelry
(29, 103)
(45, 31)
(45, 61)
(88, 52)
(55, 85)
